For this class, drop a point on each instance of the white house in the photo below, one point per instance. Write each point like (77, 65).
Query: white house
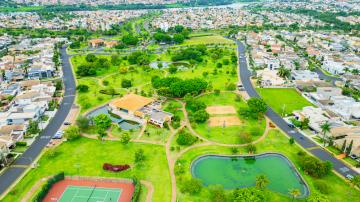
(304, 75)
(333, 67)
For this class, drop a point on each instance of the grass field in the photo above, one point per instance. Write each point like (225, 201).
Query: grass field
(283, 100)
(90, 155)
(274, 142)
(215, 39)
(229, 134)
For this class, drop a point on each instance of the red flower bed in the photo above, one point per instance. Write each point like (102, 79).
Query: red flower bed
(115, 168)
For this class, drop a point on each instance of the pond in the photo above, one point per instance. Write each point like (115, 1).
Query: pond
(124, 124)
(240, 171)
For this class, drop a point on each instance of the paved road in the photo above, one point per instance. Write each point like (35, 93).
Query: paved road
(19, 166)
(325, 77)
(245, 75)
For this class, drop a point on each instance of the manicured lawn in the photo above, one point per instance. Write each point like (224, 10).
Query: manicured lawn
(111, 78)
(283, 100)
(274, 142)
(154, 133)
(90, 155)
(229, 134)
(216, 39)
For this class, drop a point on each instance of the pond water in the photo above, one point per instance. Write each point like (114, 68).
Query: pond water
(124, 124)
(241, 171)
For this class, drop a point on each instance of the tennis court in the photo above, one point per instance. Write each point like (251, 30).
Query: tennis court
(90, 194)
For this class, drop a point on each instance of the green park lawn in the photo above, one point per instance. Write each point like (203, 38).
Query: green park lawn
(215, 39)
(250, 128)
(283, 100)
(276, 141)
(90, 155)
(111, 78)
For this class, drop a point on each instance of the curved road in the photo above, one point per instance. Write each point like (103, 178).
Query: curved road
(302, 140)
(9, 176)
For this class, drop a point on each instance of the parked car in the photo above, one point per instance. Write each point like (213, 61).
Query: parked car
(353, 156)
(58, 135)
(350, 177)
(67, 123)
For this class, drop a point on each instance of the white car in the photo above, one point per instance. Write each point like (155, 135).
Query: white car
(350, 177)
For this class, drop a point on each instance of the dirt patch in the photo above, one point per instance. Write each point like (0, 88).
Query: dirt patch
(221, 110)
(224, 121)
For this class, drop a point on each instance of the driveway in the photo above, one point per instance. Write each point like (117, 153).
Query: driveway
(10, 175)
(302, 140)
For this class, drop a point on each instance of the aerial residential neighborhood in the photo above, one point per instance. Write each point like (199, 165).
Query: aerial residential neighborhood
(166, 101)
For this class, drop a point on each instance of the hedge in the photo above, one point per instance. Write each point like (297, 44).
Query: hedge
(47, 186)
(137, 190)
(21, 144)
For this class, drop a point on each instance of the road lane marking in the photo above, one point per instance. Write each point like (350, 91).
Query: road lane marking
(312, 148)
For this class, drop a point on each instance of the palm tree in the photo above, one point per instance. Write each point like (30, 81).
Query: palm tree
(325, 127)
(261, 181)
(294, 193)
(283, 72)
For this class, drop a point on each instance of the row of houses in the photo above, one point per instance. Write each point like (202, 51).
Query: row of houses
(25, 97)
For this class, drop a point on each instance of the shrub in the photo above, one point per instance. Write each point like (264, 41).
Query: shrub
(21, 144)
(291, 141)
(192, 186)
(201, 116)
(251, 148)
(72, 133)
(125, 83)
(139, 156)
(137, 190)
(47, 186)
(185, 138)
(82, 88)
(322, 187)
(125, 138)
(314, 167)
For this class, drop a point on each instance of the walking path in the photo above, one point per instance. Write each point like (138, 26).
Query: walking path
(150, 188)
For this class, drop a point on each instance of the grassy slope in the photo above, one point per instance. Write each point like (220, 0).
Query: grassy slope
(231, 133)
(274, 142)
(91, 154)
(278, 97)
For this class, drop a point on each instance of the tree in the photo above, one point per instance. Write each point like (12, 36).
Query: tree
(72, 133)
(115, 60)
(201, 116)
(178, 38)
(295, 193)
(192, 186)
(85, 70)
(125, 83)
(325, 127)
(217, 193)
(139, 156)
(248, 194)
(283, 72)
(102, 121)
(251, 149)
(349, 148)
(172, 69)
(58, 85)
(82, 122)
(33, 127)
(130, 40)
(291, 140)
(185, 138)
(125, 138)
(261, 181)
(343, 146)
(257, 106)
(90, 58)
(315, 167)
(101, 133)
(82, 88)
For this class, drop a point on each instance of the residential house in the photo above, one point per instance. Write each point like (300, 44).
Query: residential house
(323, 94)
(304, 75)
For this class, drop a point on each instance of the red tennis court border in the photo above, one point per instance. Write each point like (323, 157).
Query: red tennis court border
(58, 188)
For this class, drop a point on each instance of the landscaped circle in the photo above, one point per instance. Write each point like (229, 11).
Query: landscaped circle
(241, 171)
